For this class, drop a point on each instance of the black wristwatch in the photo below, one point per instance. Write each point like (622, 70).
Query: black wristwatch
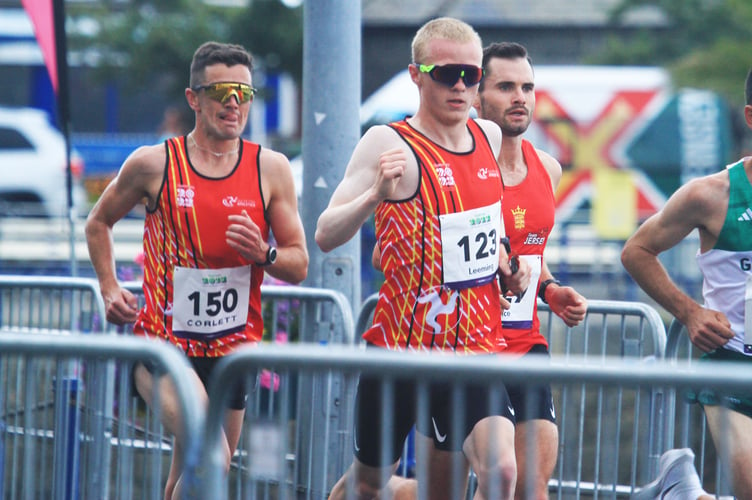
(514, 261)
(271, 257)
(543, 286)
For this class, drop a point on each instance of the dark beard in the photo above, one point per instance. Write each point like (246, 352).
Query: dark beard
(513, 132)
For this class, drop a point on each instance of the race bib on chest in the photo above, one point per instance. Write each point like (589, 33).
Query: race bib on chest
(747, 314)
(210, 303)
(520, 315)
(470, 246)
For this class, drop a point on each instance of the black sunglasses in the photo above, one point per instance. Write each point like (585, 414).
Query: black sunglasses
(448, 74)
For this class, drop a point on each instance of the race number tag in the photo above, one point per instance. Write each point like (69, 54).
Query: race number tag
(520, 315)
(747, 314)
(210, 303)
(470, 246)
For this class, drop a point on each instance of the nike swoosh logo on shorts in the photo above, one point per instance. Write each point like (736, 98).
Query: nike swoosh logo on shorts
(439, 437)
(665, 492)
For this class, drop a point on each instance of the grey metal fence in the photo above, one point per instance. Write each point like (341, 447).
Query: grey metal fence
(42, 304)
(55, 422)
(295, 314)
(627, 438)
(134, 448)
(627, 426)
(686, 426)
(268, 475)
(610, 437)
(50, 303)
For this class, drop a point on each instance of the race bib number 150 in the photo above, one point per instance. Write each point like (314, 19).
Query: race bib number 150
(210, 303)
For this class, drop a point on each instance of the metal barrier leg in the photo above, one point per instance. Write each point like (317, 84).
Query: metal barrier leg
(407, 462)
(2, 456)
(67, 447)
(2, 439)
(100, 384)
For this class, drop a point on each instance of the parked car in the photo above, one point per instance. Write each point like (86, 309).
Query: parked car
(33, 166)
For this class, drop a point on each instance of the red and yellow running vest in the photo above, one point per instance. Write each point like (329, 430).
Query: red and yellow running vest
(415, 309)
(187, 229)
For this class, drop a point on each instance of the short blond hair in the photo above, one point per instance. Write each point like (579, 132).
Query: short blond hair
(447, 28)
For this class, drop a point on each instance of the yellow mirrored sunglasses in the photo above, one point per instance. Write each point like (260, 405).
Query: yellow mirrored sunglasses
(222, 91)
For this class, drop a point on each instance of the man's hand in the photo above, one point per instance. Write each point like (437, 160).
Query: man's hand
(121, 306)
(392, 165)
(505, 304)
(567, 304)
(514, 273)
(244, 236)
(708, 329)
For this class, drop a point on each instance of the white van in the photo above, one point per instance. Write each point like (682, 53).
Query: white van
(32, 158)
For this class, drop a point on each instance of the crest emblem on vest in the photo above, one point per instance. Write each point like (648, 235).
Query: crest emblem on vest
(519, 217)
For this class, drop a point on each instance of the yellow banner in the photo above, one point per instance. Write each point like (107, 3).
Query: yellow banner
(614, 204)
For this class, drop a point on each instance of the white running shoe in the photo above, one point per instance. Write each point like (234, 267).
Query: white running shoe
(670, 475)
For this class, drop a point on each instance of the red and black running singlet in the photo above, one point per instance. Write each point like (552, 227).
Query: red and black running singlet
(200, 294)
(529, 211)
(418, 307)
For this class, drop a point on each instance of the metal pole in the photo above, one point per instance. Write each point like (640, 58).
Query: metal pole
(2, 436)
(63, 104)
(67, 427)
(331, 128)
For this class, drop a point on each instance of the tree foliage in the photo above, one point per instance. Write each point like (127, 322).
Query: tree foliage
(148, 41)
(705, 43)
(274, 33)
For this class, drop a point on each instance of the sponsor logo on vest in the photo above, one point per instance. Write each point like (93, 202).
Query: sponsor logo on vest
(486, 173)
(746, 215)
(444, 172)
(233, 201)
(534, 239)
(185, 195)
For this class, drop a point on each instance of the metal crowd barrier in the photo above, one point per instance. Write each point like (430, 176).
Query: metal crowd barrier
(50, 304)
(269, 475)
(629, 329)
(62, 305)
(317, 408)
(632, 435)
(42, 304)
(686, 426)
(54, 420)
(628, 427)
(296, 314)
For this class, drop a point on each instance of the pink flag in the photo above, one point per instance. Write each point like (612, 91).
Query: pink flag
(41, 14)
